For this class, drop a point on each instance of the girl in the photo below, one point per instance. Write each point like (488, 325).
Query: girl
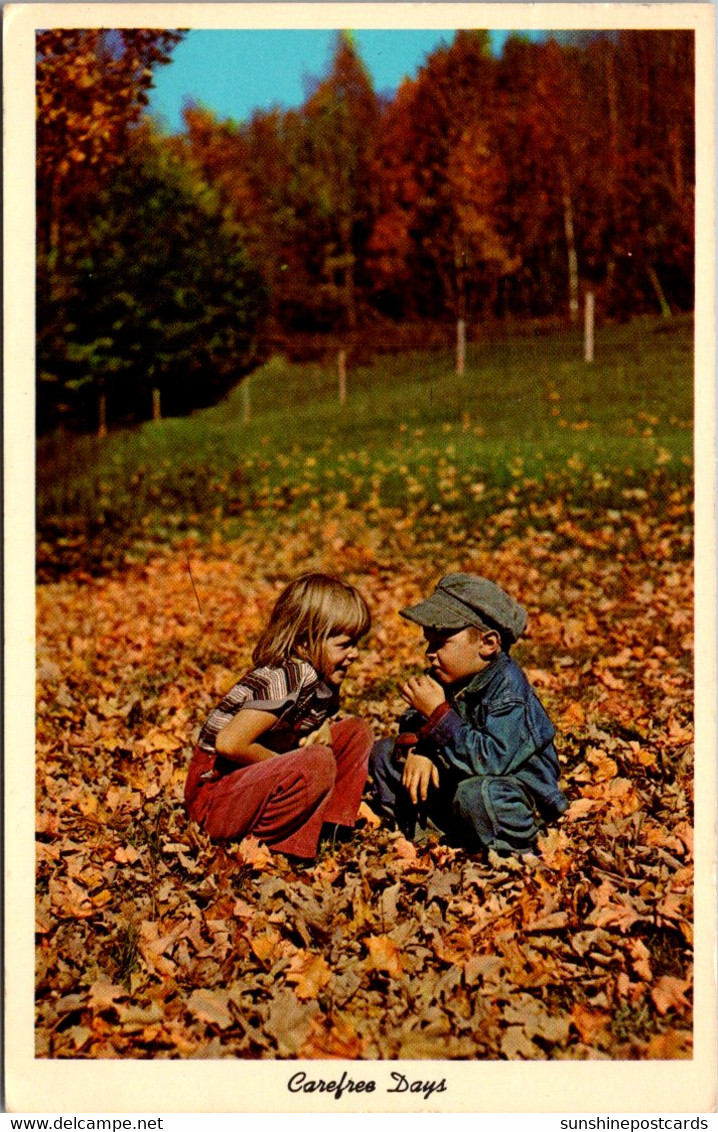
(247, 774)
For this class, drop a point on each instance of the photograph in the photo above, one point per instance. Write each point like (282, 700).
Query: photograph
(360, 557)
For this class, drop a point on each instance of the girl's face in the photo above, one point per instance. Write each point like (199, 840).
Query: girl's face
(338, 653)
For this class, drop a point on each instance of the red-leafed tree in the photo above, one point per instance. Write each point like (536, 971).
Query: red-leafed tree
(250, 165)
(441, 184)
(656, 165)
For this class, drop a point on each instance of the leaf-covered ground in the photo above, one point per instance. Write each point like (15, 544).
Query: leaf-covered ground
(154, 942)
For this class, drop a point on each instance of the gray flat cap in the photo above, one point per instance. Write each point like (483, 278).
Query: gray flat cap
(460, 600)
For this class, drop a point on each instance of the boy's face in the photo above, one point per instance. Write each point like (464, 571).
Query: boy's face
(455, 654)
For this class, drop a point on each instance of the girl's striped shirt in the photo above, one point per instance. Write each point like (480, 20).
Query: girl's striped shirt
(294, 692)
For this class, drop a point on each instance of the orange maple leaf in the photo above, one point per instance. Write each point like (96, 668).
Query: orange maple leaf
(309, 973)
(554, 850)
(384, 955)
(254, 853)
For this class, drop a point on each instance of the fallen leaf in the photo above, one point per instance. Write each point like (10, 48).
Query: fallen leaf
(104, 994)
(591, 1024)
(384, 955)
(554, 850)
(265, 945)
(640, 959)
(289, 1021)
(670, 1046)
(310, 974)
(668, 993)
(516, 1045)
(254, 853)
(332, 1038)
(573, 717)
(581, 808)
(211, 1007)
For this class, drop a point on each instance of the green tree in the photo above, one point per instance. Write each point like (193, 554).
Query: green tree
(163, 296)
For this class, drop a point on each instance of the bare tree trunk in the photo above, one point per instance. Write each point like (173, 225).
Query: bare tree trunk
(102, 415)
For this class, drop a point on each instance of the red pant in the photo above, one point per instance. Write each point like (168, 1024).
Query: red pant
(284, 800)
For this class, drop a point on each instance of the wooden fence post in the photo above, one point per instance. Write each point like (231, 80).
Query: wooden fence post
(156, 407)
(588, 328)
(342, 364)
(660, 295)
(460, 347)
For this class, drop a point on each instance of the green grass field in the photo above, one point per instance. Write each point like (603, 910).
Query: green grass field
(529, 418)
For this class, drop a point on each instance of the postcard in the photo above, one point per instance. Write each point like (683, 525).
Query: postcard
(360, 558)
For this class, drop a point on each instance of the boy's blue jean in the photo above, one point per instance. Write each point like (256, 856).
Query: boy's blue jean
(482, 811)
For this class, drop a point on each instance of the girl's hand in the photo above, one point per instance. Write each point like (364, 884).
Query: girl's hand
(419, 774)
(322, 735)
(423, 693)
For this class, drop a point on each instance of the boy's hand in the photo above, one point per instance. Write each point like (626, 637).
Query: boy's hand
(423, 693)
(419, 774)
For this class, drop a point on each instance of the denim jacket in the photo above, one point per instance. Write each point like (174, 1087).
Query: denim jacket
(496, 726)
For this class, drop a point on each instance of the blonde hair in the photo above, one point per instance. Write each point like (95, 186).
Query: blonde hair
(309, 610)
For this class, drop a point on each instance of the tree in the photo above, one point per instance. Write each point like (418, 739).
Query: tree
(249, 165)
(162, 297)
(655, 221)
(441, 184)
(91, 87)
(334, 146)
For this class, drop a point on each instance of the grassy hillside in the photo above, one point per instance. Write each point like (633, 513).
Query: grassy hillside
(528, 417)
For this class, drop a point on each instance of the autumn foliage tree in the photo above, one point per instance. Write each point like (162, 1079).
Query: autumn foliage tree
(143, 282)
(92, 86)
(487, 186)
(165, 297)
(440, 186)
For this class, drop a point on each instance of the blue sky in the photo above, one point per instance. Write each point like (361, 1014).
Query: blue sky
(236, 72)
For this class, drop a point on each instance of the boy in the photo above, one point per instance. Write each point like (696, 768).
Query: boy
(474, 756)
